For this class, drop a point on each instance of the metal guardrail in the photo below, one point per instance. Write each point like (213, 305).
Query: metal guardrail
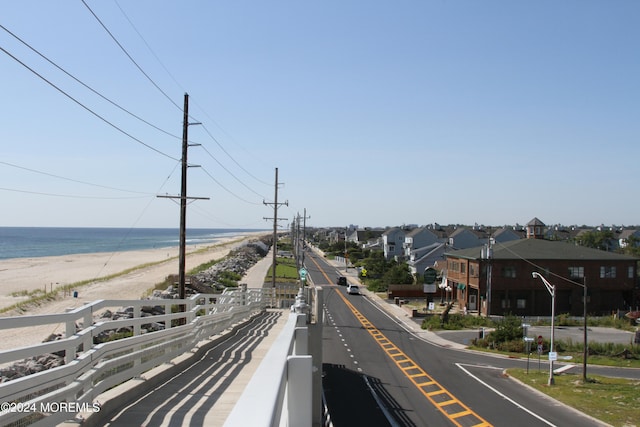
(58, 394)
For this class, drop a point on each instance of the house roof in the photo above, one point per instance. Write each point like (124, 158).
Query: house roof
(539, 249)
(535, 221)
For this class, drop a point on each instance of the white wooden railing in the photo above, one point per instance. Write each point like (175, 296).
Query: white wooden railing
(55, 395)
(280, 392)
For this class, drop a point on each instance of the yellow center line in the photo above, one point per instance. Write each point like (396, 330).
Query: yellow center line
(440, 397)
(447, 403)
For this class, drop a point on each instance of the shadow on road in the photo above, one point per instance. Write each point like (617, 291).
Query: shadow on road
(356, 399)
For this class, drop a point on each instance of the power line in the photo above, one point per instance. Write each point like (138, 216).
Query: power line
(148, 46)
(85, 107)
(71, 179)
(536, 265)
(130, 57)
(71, 196)
(206, 130)
(227, 190)
(87, 86)
(179, 85)
(229, 172)
(231, 157)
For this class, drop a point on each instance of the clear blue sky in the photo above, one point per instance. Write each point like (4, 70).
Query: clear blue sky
(375, 112)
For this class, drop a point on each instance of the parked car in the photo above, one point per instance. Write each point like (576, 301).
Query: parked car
(353, 290)
(341, 280)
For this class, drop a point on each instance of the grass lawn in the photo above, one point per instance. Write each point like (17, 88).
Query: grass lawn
(614, 401)
(286, 270)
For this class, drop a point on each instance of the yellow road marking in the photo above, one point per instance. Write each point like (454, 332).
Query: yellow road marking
(429, 387)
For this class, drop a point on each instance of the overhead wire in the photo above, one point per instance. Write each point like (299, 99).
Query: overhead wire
(147, 45)
(71, 196)
(130, 57)
(230, 173)
(550, 273)
(86, 85)
(70, 179)
(226, 189)
(85, 107)
(184, 90)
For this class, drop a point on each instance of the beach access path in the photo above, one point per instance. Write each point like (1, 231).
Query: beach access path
(148, 267)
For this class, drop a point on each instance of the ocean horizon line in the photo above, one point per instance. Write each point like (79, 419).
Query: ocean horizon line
(38, 242)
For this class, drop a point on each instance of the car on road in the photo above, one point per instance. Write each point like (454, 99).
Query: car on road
(341, 281)
(353, 290)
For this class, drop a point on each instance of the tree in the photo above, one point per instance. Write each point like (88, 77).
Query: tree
(398, 274)
(596, 239)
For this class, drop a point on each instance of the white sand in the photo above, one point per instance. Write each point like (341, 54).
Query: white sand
(28, 274)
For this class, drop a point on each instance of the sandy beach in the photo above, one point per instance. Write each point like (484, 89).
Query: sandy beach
(28, 274)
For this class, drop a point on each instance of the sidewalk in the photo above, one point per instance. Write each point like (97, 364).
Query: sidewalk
(255, 276)
(220, 403)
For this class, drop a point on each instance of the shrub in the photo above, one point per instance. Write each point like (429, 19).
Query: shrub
(509, 328)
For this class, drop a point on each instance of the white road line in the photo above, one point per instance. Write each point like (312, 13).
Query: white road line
(504, 396)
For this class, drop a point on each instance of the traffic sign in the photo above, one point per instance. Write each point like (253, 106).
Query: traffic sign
(430, 275)
(540, 340)
(553, 356)
(303, 273)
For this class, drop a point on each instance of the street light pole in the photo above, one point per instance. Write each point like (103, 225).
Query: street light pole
(584, 314)
(552, 291)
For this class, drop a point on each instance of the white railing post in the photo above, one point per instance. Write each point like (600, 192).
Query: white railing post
(301, 337)
(299, 397)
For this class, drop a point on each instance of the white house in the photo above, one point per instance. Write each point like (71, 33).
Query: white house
(392, 241)
(418, 238)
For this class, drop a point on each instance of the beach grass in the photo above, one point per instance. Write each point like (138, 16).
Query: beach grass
(39, 297)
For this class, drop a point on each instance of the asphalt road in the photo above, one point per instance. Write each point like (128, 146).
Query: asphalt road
(379, 373)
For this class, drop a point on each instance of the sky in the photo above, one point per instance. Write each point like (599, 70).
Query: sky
(375, 113)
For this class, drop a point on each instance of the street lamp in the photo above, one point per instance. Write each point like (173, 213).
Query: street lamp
(552, 291)
(443, 285)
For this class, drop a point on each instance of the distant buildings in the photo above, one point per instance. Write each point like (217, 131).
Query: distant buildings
(490, 268)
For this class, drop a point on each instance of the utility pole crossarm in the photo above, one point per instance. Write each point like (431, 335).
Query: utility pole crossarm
(183, 197)
(275, 228)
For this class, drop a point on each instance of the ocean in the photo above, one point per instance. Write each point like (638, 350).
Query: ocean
(28, 242)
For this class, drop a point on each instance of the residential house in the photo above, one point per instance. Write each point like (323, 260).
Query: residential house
(463, 238)
(625, 236)
(392, 240)
(506, 234)
(427, 256)
(418, 238)
(500, 281)
(366, 236)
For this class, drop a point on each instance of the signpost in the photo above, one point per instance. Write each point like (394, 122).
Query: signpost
(540, 341)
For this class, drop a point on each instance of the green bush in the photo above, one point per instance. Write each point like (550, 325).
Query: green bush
(455, 322)
(509, 328)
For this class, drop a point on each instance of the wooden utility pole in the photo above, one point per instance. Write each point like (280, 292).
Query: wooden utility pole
(183, 199)
(304, 233)
(275, 229)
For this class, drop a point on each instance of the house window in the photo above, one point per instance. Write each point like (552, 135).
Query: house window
(505, 303)
(463, 268)
(473, 270)
(509, 272)
(607, 272)
(521, 303)
(576, 272)
(630, 274)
